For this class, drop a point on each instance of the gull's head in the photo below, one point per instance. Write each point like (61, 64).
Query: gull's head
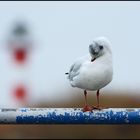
(99, 47)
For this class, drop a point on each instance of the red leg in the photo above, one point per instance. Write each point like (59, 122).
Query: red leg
(86, 107)
(85, 93)
(98, 102)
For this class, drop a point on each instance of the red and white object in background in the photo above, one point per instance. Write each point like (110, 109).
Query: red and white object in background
(19, 54)
(20, 44)
(20, 94)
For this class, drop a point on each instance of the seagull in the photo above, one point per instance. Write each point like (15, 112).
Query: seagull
(94, 71)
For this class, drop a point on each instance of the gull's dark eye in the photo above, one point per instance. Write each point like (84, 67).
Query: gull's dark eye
(101, 47)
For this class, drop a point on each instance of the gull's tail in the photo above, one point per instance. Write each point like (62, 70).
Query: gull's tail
(66, 73)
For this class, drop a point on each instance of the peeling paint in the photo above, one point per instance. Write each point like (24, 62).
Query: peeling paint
(69, 116)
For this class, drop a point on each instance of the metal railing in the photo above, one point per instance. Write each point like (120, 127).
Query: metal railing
(69, 116)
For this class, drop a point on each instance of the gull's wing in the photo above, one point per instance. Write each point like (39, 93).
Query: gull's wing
(74, 69)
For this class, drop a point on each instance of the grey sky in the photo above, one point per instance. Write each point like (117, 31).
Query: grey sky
(62, 32)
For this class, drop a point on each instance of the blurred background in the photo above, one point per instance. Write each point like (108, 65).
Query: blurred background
(39, 42)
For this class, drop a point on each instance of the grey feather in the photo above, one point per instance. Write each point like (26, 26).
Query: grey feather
(74, 70)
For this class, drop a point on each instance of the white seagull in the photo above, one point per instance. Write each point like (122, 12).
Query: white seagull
(93, 71)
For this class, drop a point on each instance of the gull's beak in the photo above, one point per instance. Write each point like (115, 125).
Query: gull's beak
(93, 59)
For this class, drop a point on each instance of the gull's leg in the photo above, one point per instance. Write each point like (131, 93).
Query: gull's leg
(98, 102)
(86, 107)
(85, 93)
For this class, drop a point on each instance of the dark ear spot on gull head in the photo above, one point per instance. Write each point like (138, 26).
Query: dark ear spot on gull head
(101, 47)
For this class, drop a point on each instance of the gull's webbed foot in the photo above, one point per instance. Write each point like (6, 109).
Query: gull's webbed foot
(87, 108)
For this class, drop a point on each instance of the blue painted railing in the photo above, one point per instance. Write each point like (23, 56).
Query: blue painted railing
(69, 116)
